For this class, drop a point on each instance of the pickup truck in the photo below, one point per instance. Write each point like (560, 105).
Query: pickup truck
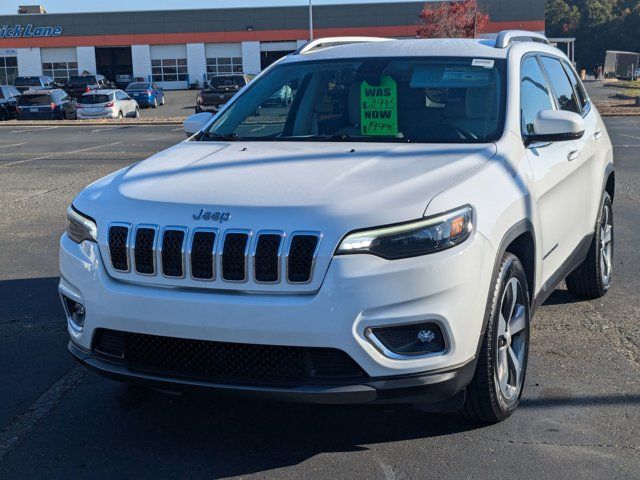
(220, 90)
(78, 85)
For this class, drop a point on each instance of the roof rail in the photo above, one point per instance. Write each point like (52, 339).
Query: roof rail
(334, 42)
(507, 37)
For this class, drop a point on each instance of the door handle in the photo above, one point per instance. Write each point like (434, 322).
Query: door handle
(597, 136)
(573, 155)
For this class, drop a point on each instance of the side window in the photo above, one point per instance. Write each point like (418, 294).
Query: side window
(561, 85)
(534, 94)
(577, 86)
(119, 95)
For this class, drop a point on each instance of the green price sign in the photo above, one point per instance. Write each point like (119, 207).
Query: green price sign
(379, 107)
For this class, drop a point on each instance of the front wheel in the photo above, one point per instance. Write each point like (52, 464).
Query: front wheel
(155, 103)
(495, 391)
(136, 114)
(593, 278)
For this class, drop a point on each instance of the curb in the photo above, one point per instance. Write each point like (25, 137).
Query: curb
(85, 123)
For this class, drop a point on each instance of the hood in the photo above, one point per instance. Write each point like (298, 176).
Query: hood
(292, 185)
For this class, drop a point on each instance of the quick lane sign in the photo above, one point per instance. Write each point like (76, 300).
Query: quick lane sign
(29, 31)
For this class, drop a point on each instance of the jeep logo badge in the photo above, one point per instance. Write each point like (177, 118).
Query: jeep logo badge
(206, 215)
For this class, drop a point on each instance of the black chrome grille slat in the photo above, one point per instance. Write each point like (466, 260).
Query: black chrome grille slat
(301, 257)
(234, 257)
(144, 250)
(118, 248)
(202, 258)
(267, 257)
(172, 253)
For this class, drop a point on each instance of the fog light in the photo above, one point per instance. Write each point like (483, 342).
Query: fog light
(426, 336)
(409, 340)
(75, 312)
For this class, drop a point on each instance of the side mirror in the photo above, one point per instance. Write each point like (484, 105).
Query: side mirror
(194, 123)
(556, 126)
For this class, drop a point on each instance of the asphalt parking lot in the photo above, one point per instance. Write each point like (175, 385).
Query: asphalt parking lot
(579, 418)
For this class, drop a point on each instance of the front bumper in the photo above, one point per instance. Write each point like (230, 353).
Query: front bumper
(358, 292)
(432, 387)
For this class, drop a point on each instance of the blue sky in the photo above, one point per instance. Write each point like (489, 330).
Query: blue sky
(64, 6)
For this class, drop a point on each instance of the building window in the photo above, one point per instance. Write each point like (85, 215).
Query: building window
(8, 70)
(60, 71)
(169, 70)
(223, 65)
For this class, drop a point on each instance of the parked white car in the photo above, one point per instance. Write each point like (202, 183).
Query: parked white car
(107, 104)
(385, 236)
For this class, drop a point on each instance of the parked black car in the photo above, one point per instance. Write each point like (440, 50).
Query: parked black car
(9, 96)
(46, 105)
(34, 83)
(78, 85)
(220, 90)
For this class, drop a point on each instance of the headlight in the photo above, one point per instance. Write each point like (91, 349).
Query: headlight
(79, 227)
(412, 239)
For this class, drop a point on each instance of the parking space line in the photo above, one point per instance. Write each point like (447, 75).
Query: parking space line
(20, 131)
(42, 157)
(104, 129)
(12, 145)
(176, 129)
(26, 421)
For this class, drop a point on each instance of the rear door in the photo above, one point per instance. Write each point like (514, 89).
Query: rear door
(551, 168)
(580, 187)
(591, 150)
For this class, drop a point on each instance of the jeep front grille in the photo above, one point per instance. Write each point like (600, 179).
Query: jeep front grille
(203, 254)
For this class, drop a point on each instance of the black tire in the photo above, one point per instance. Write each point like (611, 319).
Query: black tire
(485, 400)
(155, 103)
(4, 115)
(592, 278)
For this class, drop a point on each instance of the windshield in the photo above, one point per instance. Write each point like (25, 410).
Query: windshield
(26, 82)
(36, 99)
(77, 80)
(425, 100)
(92, 99)
(138, 86)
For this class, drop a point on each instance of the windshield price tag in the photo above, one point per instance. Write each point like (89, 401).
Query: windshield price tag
(379, 107)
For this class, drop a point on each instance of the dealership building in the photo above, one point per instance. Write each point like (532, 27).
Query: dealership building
(180, 47)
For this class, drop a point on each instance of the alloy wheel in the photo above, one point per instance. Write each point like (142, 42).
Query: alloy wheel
(512, 340)
(606, 244)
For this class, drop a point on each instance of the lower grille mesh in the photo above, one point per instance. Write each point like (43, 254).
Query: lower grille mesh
(225, 362)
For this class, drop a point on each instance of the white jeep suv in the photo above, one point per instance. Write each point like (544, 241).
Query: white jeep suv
(385, 236)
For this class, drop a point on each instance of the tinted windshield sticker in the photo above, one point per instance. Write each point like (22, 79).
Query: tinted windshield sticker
(482, 62)
(379, 107)
(465, 74)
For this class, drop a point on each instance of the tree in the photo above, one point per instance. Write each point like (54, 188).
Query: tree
(561, 17)
(452, 19)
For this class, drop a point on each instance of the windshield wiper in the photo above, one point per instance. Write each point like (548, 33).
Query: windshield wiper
(216, 136)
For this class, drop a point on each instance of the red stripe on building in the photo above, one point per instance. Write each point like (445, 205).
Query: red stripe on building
(239, 36)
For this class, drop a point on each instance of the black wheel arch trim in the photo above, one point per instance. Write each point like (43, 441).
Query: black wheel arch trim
(523, 226)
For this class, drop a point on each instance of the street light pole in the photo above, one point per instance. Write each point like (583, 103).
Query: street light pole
(310, 21)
